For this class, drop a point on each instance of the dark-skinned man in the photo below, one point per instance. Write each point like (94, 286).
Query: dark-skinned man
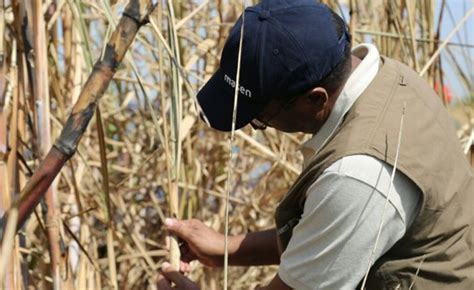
(299, 74)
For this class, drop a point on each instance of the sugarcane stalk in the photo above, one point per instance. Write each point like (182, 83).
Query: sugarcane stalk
(10, 170)
(106, 189)
(41, 93)
(176, 116)
(134, 16)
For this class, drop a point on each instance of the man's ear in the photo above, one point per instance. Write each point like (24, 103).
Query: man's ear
(319, 97)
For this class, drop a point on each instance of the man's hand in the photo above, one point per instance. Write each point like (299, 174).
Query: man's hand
(207, 246)
(170, 275)
(199, 241)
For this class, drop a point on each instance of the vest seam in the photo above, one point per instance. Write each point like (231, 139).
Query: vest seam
(378, 122)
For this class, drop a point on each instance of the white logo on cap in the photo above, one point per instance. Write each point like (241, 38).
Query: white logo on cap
(242, 89)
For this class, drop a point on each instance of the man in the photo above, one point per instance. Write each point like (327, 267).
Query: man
(362, 166)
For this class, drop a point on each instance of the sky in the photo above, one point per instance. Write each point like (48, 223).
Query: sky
(465, 56)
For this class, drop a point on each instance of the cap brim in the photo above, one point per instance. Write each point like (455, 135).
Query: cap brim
(216, 99)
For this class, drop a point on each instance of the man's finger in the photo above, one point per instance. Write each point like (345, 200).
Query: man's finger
(184, 267)
(171, 274)
(163, 284)
(180, 228)
(188, 257)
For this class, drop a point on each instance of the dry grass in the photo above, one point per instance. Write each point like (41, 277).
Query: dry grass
(147, 155)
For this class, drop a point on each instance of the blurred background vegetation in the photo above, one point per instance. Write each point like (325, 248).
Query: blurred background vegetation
(154, 146)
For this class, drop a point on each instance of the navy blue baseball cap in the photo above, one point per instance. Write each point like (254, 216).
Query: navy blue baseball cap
(288, 47)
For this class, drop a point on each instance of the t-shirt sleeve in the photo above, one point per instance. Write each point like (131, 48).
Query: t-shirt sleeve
(332, 243)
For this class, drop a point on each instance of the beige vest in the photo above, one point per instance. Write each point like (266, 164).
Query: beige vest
(439, 244)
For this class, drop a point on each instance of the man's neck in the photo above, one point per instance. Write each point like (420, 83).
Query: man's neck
(335, 94)
(355, 63)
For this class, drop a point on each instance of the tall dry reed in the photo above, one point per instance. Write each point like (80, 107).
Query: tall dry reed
(146, 155)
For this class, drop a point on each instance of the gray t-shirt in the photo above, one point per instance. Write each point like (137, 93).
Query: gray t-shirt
(331, 245)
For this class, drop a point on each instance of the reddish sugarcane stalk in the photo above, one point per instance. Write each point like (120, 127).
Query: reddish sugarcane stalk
(134, 16)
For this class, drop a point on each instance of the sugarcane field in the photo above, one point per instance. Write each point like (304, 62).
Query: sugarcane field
(236, 144)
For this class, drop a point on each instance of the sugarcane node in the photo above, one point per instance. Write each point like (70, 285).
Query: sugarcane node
(139, 12)
(137, 21)
(73, 130)
(111, 58)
